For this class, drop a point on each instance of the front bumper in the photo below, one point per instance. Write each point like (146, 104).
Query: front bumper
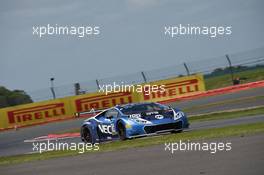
(156, 128)
(149, 129)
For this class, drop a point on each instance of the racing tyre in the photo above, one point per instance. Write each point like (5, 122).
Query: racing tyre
(87, 137)
(121, 131)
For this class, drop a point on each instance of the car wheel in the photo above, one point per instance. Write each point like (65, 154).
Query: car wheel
(87, 135)
(121, 131)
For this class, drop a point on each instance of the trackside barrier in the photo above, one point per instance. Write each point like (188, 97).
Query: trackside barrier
(65, 108)
(175, 88)
(225, 90)
(59, 109)
(35, 113)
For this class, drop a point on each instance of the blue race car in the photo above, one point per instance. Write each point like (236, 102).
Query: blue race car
(132, 120)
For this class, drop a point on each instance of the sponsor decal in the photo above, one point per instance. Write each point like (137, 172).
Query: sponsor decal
(159, 117)
(152, 113)
(107, 129)
(36, 113)
(134, 116)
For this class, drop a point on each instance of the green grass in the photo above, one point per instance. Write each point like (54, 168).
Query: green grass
(225, 80)
(227, 115)
(244, 129)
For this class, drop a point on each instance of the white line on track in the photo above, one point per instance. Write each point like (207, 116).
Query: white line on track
(46, 139)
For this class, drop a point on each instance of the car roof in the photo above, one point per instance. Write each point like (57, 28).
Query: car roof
(133, 104)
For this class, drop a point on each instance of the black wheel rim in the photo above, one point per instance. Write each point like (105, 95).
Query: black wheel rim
(87, 136)
(121, 132)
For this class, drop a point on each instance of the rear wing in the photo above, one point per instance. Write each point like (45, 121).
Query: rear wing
(90, 113)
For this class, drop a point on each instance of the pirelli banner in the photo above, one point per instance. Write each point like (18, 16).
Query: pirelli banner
(102, 101)
(65, 108)
(174, 88)
(35, 113)
(60, 109)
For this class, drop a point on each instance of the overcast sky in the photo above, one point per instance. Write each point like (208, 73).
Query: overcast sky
(131, 39)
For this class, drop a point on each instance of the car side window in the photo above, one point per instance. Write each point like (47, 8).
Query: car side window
(111, 113)
(102, 115)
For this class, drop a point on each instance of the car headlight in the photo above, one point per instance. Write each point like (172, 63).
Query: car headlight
(140, 120)
(178, 115)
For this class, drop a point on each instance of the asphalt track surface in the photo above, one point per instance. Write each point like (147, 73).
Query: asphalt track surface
(246, 156)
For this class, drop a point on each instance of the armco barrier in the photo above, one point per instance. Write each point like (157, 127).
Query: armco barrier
(64, 108)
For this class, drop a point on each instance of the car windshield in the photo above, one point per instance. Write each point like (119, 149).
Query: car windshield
(139, 108)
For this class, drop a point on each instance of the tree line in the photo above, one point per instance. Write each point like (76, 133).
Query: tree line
(13, 97)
